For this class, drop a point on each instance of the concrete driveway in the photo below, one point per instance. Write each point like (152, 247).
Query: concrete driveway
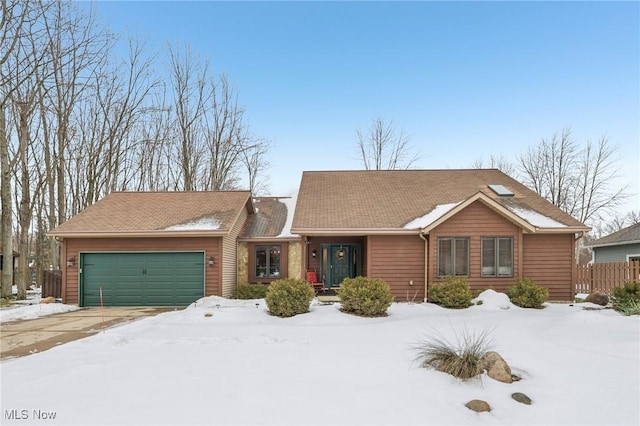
(25, 337)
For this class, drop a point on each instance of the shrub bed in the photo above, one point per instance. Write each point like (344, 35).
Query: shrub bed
(286, 298)
(451, 292)
(626, 299)
(367, 297)
(527, 294)
(252, 291)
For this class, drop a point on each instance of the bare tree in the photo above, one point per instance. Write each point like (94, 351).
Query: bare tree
(578, 180)
(382, 147)
(255, 161)
(496, 162)
(190, 95)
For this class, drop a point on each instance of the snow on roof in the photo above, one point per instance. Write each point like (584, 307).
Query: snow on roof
(207, 223)
(291, 207)
(435, 214)
(536, 219)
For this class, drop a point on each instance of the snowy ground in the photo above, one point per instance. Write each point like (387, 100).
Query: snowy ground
(31, 307)
(242, 366)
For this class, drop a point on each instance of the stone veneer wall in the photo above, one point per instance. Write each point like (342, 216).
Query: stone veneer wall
(295, 259)
(243, 263)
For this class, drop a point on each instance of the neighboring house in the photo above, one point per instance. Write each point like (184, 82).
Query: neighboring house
(412, 227)
(621, 246)
(153, 248)
(409, 228)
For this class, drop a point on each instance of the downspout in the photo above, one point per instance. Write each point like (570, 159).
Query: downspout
(426, 264)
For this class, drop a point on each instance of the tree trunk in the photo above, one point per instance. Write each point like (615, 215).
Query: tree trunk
(7, 229)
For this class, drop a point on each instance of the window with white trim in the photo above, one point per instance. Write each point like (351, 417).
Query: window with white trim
(496, 257)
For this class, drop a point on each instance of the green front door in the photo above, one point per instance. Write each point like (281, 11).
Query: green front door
(340, 261)
(142, 279)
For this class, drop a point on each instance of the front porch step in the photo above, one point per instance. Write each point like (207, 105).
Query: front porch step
(328, 298)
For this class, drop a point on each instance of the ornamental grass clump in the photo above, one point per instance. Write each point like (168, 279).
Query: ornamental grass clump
(451, 292)
(527, 294)
(286, 298)
(367, 297)
(626, 299)
(461, 359)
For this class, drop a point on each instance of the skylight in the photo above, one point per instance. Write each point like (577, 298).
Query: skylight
(501, 190)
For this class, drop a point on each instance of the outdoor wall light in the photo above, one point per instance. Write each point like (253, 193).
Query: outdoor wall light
(71, 261)
(210, 260)
(314, 253)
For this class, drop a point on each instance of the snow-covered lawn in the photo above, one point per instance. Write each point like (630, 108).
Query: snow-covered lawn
(241, 366)
(31, 307)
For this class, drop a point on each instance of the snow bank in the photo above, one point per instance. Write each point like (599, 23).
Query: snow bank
(291, 207)
(229, 362)
(14, 312)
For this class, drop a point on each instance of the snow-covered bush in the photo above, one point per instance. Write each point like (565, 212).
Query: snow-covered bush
(367, 297)
(451, 292)
(286, 298)
(252, 291)
(527, 294)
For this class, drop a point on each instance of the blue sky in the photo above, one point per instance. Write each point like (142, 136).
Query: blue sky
(463, 80)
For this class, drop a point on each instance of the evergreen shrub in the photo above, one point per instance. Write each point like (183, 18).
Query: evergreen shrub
(451, 292)
(289, 297)
(527, 294)
(367, 297)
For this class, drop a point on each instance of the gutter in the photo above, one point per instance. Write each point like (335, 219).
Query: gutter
(426, 264)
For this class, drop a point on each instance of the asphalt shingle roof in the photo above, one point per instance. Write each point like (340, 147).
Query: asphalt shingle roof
(128, 212)
(389, 199)
(630, 234)
(269, 220)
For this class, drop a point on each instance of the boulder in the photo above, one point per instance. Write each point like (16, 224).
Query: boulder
(49, 299)
(478, 405)
(598, 298)
(496, 367)
(521, 398)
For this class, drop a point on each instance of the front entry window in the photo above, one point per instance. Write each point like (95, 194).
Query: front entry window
(268, 261)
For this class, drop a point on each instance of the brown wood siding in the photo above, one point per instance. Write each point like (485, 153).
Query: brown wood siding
(475, 222)
(72, 247)
(549, 261)
(230, 257)
(398, 260)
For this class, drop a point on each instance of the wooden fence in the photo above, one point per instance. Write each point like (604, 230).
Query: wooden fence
(52, 284)
(603, 277)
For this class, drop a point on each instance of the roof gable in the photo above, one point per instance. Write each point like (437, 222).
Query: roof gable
(159, 214)
(389, 200)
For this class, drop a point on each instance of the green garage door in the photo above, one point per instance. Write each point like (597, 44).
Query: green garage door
(142, 279)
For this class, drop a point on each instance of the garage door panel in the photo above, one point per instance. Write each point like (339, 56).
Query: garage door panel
(143, 279)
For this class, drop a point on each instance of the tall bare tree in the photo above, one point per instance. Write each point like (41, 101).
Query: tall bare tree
(579, 180)
(383, 147)
(496, 162)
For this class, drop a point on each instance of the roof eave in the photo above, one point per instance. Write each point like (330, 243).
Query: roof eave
(355, 231)
(617, 243)
(130, 234)
(563, 230)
